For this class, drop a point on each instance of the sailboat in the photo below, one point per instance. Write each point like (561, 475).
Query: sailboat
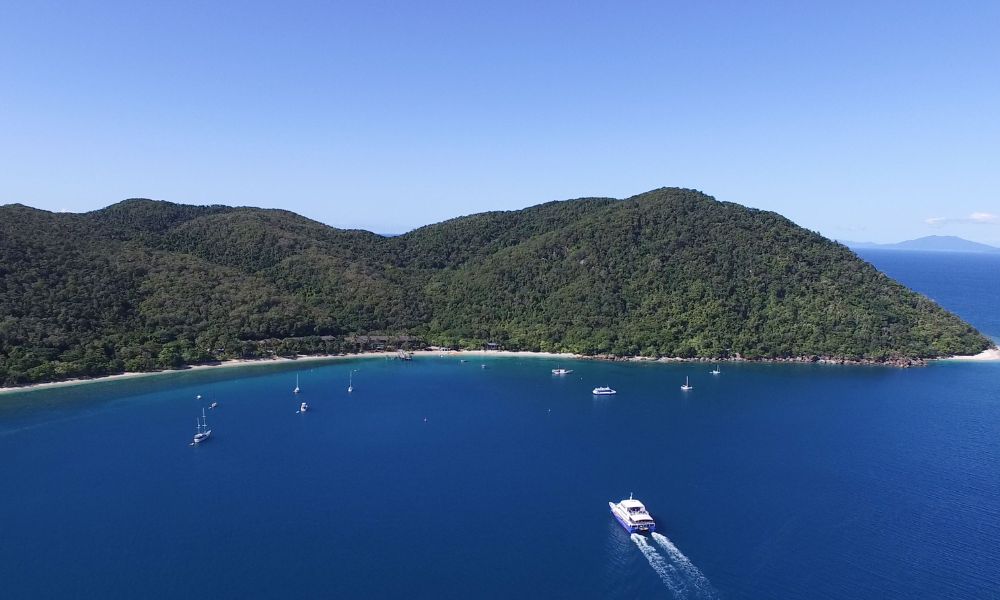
(201, 430)
(296, 390)
(716, 371)
(350, 382)
(687, 385)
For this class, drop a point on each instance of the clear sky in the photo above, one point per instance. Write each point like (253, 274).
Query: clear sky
(862, 120)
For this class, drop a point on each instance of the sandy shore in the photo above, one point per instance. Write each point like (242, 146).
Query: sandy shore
(986, 355)
(993, 354)
(236, 363)
(226, 364)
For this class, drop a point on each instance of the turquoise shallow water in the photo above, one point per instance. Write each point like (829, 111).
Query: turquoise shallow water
(442, 479)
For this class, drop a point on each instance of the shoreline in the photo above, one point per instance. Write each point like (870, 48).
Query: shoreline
(990, 355)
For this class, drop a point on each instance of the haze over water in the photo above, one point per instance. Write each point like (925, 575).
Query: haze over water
(438, 478)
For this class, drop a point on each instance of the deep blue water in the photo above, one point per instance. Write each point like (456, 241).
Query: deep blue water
(441, 479)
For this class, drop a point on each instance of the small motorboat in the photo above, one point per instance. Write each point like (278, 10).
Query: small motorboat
(561, 371)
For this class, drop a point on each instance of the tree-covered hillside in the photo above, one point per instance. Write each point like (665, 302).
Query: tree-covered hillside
(143, 285)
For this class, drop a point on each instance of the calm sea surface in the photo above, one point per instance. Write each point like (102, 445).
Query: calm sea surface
(442, 479)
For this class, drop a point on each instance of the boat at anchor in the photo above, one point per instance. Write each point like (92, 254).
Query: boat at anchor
(201, 430)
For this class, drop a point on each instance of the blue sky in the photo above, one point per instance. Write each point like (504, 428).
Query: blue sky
(860, 120)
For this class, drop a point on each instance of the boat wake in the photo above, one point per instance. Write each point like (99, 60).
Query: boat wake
(696, 580)
(676, 571)
(668, 574)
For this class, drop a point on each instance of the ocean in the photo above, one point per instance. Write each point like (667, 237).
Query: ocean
(491, 478)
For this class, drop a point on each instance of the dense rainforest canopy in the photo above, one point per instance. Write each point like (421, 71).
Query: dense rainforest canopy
(144, 284)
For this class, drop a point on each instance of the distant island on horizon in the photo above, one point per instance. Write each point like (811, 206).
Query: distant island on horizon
(930, 243)
(672, 273)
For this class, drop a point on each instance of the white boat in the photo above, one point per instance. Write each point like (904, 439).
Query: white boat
(303, 407)
(350, 382)
(201, 430)
(296, 390)
(213, 405)
(716, 371)
(687, 385)
(561, 371)
(603, 391)
(632, 515)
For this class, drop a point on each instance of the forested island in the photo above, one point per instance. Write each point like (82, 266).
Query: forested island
(144, 285)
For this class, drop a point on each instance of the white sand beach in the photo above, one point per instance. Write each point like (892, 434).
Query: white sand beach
(993, 354)
(236, 363)
(986, 355)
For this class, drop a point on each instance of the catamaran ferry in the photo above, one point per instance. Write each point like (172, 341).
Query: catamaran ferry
(632, 515)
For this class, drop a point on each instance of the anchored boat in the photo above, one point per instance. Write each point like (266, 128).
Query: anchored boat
(201, 430)
(603, 391)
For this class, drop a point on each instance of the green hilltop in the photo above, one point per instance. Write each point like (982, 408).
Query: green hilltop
(143, 284)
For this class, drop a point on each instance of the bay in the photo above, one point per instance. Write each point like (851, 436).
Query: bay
(441, 479)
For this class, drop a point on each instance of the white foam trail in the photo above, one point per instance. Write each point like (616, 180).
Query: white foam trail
(668, 575)
(693, 577)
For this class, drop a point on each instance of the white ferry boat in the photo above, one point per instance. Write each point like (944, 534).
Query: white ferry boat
(561, 371)
(604, 391)
(632, 515)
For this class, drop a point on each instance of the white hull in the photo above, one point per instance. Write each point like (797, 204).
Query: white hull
(634, 519)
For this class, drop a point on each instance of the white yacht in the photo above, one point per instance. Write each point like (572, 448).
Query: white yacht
(604, 391)
(213, 405)
(715, 371)
(561, 371)
(687, 385)
(201, 430)
(303, 407)
(296, 390)
(632, 515)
